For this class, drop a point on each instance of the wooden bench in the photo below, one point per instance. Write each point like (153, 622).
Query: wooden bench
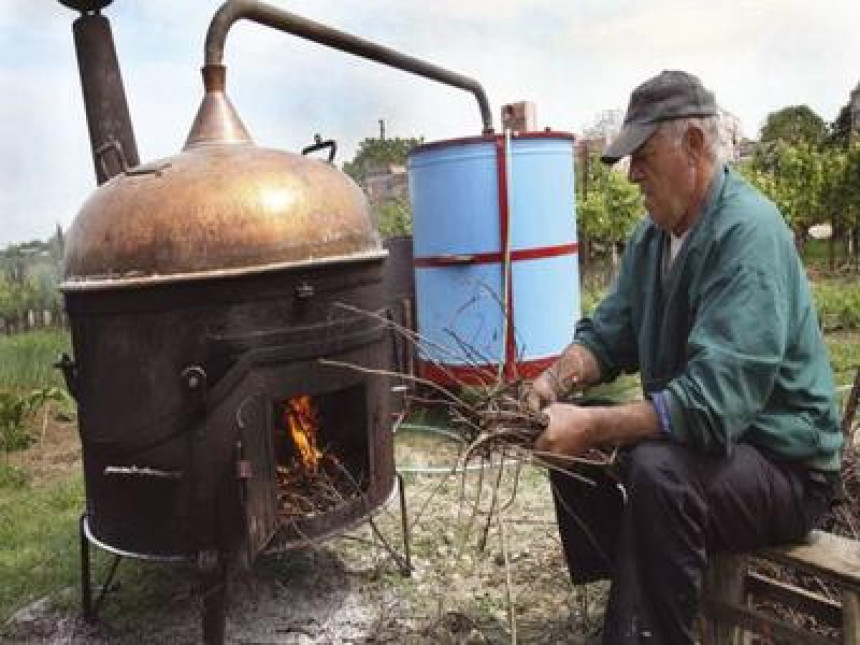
(730, 585)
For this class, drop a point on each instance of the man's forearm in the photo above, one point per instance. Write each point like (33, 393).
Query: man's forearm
(625, 424)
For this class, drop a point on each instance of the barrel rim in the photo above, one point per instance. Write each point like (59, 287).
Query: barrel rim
(491, 138)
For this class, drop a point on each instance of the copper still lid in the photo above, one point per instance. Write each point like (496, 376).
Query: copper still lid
(221, 207)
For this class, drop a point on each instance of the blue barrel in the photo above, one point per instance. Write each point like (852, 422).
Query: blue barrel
(496, 263)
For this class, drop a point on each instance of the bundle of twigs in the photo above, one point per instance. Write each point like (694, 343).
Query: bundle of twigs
(304, 491)
(491, 416)
(499, 419)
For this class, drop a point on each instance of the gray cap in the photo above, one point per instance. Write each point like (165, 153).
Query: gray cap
(669, 95)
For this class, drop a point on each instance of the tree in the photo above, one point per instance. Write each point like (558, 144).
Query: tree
(608, 206)
(392, 213)
(374, 155)
(839, 131)
(812, 185)
(792, 176)
(29, 279)
(606, 125)
(395, 218)
(850, 198)
(794, 125)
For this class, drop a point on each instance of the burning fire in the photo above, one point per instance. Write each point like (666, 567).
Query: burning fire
(300, 416)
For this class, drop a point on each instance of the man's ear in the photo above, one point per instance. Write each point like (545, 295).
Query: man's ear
(694, 141)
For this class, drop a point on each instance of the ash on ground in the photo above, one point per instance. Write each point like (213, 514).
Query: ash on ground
(473, 581)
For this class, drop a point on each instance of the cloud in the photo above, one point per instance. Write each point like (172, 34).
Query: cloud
(574, 59)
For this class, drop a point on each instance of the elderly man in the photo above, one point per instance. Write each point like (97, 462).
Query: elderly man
(736, 443)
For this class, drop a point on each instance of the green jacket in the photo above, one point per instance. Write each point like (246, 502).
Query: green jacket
(729, 337)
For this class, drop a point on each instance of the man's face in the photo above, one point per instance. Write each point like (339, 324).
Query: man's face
(665, 174)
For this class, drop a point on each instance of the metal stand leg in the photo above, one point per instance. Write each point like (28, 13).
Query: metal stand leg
(213, 570)
(90, 608)
(404, 521)
(404, 561)
(86, 578)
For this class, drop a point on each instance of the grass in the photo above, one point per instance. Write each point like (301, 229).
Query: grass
(38, 537)
(40, 557)
(26, 360)
(838, 303)
(844, 350)
(28, 381)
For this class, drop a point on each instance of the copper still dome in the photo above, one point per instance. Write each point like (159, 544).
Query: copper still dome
(223, 206)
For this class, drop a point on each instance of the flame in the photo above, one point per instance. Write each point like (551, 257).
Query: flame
(300, 415)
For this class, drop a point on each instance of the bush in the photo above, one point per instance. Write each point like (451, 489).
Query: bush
(395, 218)
(838, 304)
(16, 409)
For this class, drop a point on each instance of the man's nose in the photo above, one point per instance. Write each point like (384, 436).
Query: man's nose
(634, 173)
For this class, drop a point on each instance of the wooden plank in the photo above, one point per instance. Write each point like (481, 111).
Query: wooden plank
(724, 581)
(851, 617)
(761, 623)
(824, 554)
(850, 410)
(824, 609)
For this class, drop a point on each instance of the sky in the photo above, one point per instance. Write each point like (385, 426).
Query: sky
(573, 58)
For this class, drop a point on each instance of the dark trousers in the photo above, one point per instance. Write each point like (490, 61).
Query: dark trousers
(652, 529)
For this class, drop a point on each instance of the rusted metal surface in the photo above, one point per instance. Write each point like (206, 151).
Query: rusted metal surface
(215, 209)
(104, 96)
(171, 377)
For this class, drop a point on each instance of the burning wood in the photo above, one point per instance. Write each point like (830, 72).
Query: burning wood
(300, 417)
(303, 492)
(312, 481)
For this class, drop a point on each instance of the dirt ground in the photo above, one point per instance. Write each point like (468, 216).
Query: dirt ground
(473, 581)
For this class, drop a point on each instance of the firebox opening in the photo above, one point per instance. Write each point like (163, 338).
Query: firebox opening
(321, 451)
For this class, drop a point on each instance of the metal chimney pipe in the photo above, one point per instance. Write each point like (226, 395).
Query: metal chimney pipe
(111, 132)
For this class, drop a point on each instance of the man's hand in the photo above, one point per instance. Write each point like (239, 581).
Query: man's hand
(571, 430)
(542, 392)
(575, 369)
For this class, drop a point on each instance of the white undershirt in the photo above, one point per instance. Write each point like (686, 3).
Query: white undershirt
(675, 244)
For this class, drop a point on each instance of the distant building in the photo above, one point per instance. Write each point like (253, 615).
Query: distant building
(745, 150)
(586, 146)
(520, 116)
(731, 137)
(385, 184)
(606, 125)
